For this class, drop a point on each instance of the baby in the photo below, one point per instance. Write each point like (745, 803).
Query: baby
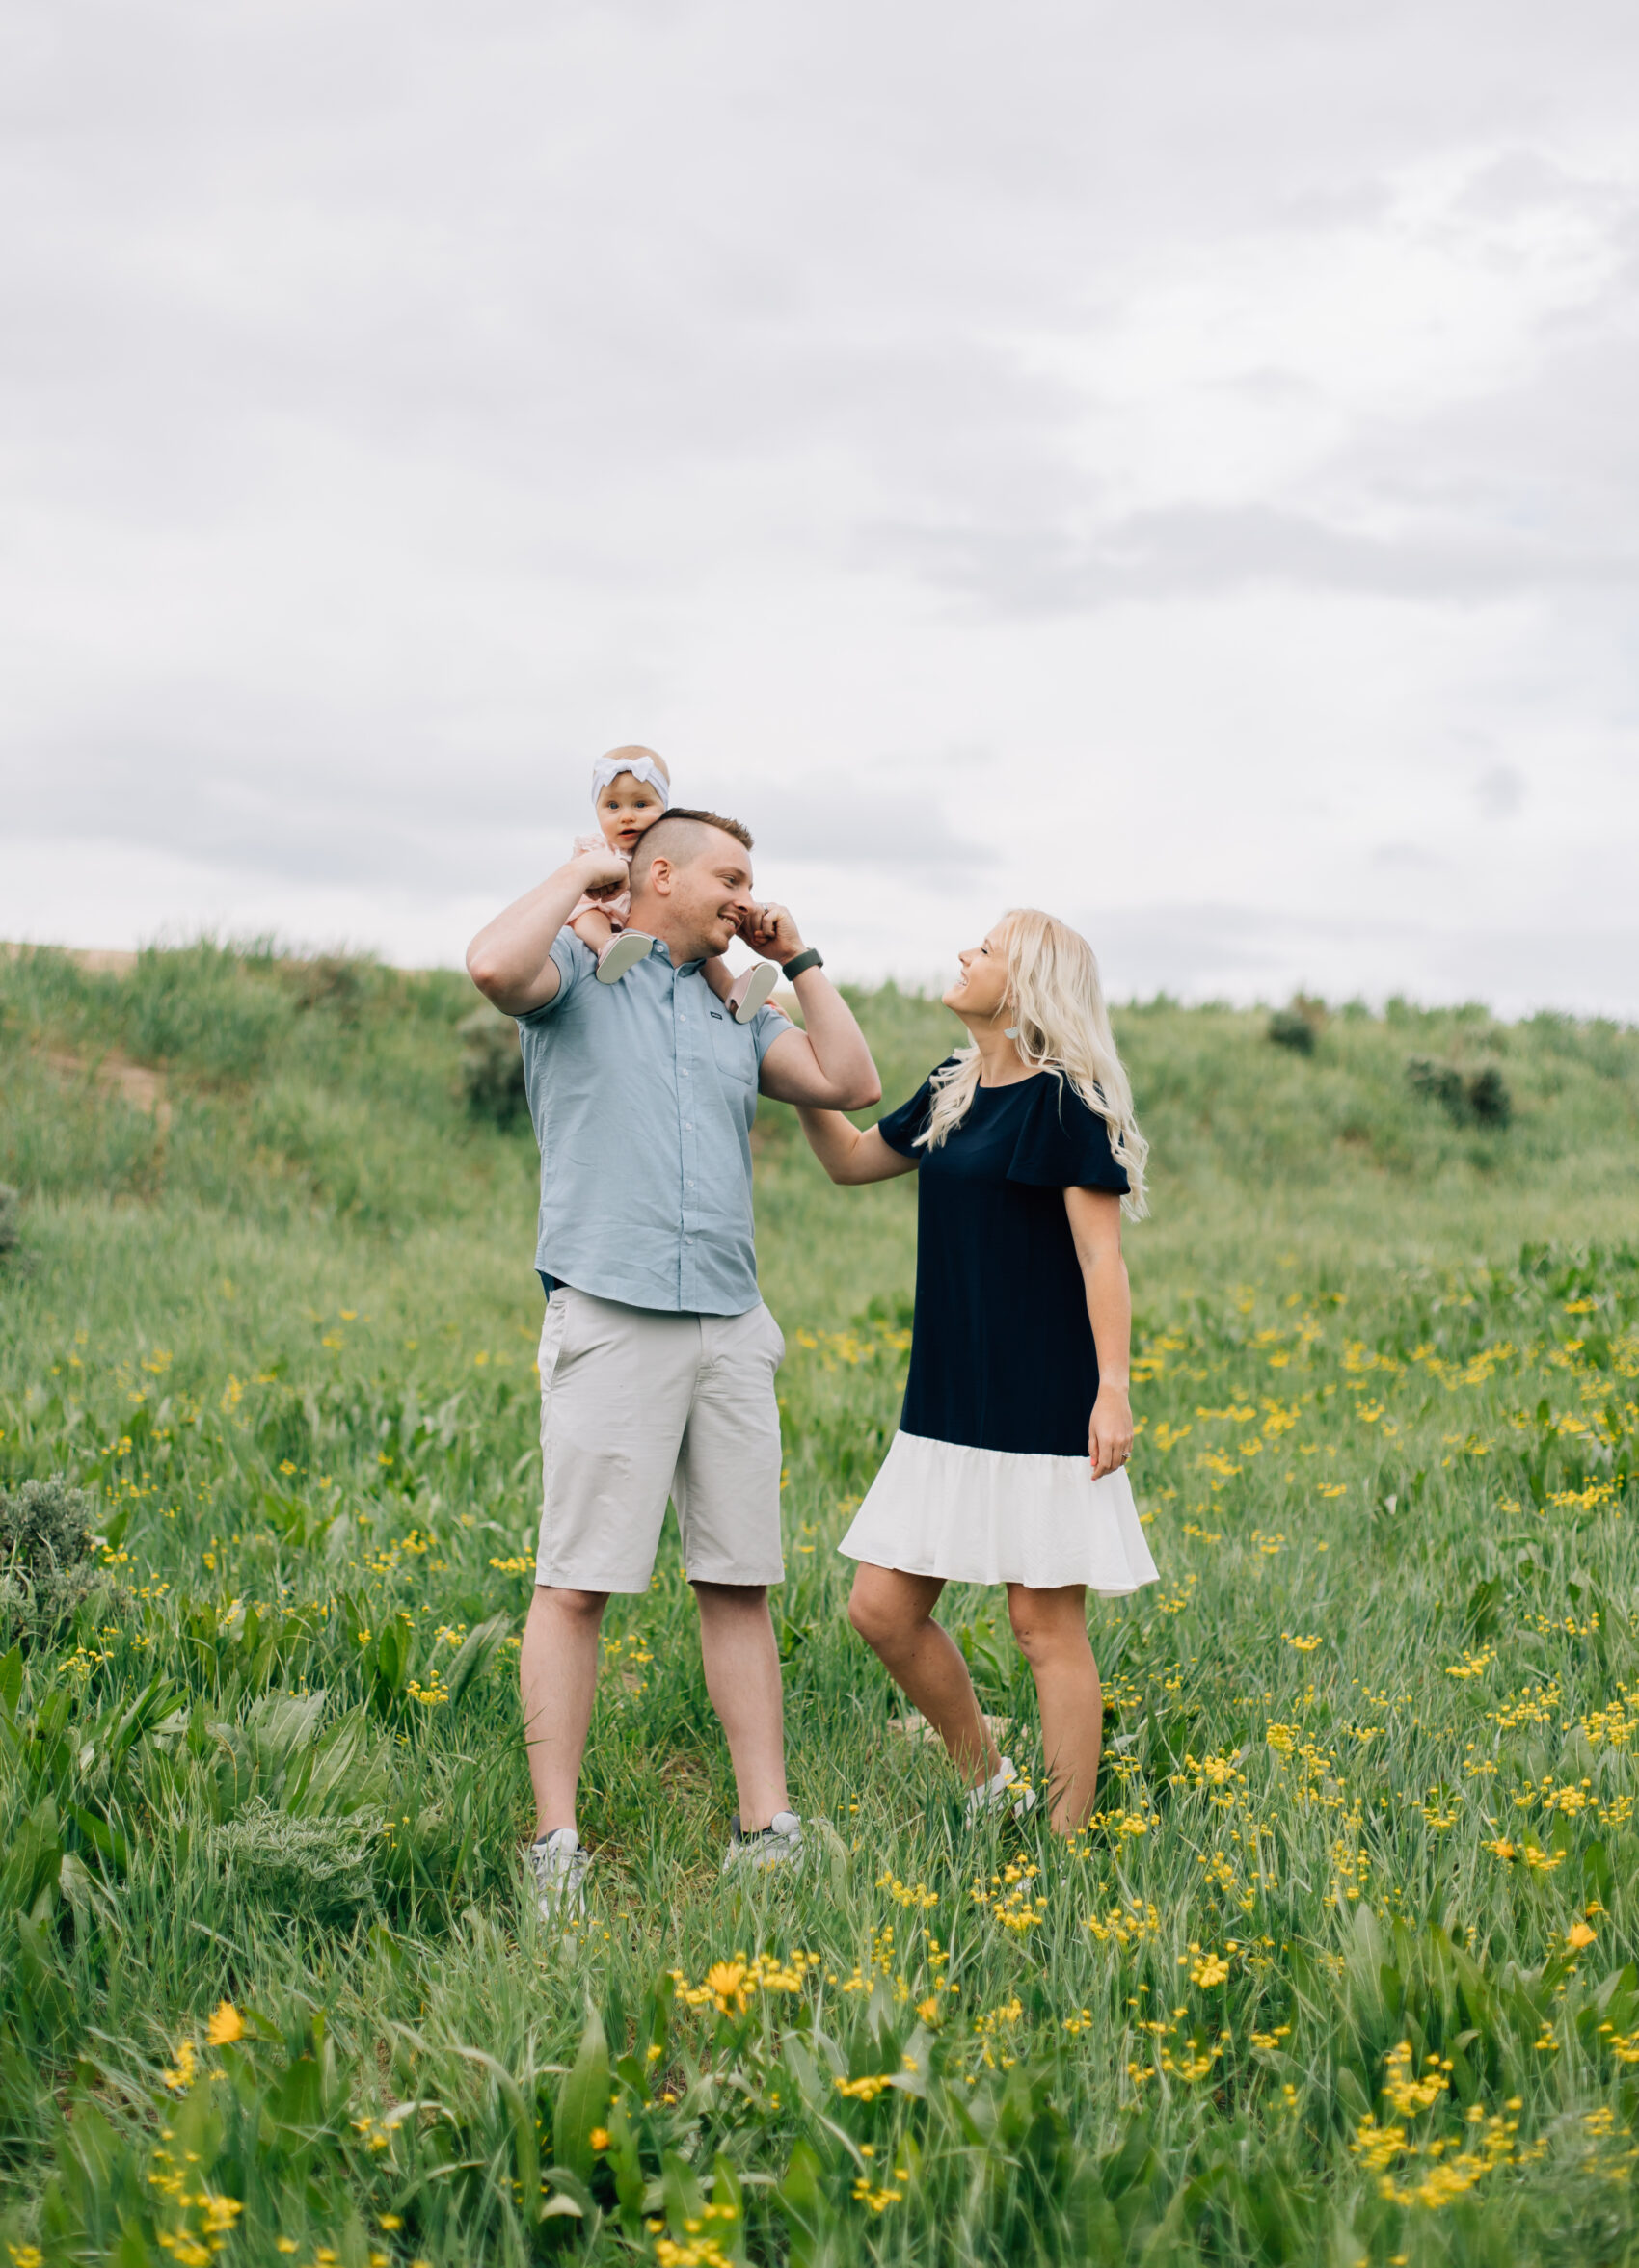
(630, 789)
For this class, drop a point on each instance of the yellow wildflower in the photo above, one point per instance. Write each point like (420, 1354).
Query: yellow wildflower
(225, 2025)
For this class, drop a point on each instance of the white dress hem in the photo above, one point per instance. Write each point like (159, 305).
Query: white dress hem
(948, 1510)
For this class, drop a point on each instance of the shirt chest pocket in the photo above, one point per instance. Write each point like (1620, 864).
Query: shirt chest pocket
(734, 1052)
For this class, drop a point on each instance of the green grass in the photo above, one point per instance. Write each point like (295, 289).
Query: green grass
(283, 1328)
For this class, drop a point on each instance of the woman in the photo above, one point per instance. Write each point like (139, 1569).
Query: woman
(1010, 1462)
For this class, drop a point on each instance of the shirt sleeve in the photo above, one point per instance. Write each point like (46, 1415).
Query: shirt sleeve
(899, 1127)
(766, 1026)
(573, 960)
(1062, 1145)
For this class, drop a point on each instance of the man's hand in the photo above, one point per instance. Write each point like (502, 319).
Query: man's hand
(1110, 1431)
(770, 931)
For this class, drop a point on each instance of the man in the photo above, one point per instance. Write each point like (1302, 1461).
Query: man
(658, 1356)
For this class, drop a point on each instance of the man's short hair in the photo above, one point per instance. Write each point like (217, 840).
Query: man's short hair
(679, 834)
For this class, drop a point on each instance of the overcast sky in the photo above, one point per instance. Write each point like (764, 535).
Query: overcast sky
(1176, 465)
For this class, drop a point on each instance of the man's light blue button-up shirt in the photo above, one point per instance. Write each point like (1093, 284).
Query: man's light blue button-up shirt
(643, 1094)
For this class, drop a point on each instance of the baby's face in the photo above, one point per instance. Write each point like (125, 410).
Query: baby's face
(626, 808)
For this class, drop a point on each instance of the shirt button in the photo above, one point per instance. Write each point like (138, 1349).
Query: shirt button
(689, 1126)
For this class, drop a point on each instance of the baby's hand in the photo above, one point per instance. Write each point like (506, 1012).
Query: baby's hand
(602, 870)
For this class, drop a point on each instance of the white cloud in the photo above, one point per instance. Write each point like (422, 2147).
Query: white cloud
(1180, 469)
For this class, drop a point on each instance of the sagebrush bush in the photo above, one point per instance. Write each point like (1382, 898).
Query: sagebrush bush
(332, 980)
(48, 1556)
(491, 1067)
(318, 1869)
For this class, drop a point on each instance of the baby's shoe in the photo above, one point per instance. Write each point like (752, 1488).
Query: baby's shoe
(751, 989)
(621, 953)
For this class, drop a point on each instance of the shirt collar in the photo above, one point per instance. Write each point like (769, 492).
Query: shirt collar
(683, 967)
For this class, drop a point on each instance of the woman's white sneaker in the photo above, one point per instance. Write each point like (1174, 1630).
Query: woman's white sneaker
(1004, 1791)
(777, 1844)
(560, 1867)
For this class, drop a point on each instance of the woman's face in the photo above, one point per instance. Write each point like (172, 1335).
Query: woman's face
(979, 994)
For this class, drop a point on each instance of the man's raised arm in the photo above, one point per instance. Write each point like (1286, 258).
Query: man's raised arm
(510, 960)
(828, 1066)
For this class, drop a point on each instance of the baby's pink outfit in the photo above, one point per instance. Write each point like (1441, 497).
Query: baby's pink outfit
(617, 907)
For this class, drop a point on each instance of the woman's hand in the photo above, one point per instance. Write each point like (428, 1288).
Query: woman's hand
(1110, 1431)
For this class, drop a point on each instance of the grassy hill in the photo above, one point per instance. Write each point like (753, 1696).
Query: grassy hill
(283, 1093)
(1348, 1967)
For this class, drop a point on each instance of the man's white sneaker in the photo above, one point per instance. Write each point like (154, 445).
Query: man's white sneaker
(751, 990)
(777, 1844)
(559, 1866)
(1004, 1792)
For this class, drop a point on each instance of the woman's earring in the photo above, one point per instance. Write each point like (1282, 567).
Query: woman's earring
(1010, 1031)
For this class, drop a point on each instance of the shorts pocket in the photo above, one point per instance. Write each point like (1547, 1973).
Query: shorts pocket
(554, 1333)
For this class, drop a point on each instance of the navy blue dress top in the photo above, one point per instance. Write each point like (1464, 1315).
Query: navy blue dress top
(1002, 1354)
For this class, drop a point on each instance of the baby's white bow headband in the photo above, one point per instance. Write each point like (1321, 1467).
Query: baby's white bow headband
(641, 767)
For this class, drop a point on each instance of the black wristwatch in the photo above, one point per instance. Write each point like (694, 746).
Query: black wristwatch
(811, 957)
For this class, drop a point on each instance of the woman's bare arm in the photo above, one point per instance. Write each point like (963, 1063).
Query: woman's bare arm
(849, 1155)
(1095, 1225)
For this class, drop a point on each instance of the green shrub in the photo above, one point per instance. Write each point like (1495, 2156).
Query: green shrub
(47, 1538)
(1290, 1027)
(1473, 1098)
(1490, 1102)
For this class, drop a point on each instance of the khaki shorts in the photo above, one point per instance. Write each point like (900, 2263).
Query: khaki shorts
(636, 1405)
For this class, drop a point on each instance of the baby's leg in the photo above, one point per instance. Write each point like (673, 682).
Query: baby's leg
(594, 930)
(744, 995)
(616, 949)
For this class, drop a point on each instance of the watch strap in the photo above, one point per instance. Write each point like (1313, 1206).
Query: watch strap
(811, 957)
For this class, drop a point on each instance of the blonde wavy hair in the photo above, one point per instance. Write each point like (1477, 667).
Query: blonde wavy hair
(1057, 1004)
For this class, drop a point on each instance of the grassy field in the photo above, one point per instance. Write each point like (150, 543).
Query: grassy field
(1345, 1970)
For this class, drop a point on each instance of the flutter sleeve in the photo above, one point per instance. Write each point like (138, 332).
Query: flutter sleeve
(1063, 1145)
(899, 1127)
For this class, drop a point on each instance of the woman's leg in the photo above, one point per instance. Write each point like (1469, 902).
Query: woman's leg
(892, 1611)
(1050, 1628)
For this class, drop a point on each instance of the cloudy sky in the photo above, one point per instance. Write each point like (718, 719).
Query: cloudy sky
(1174, 464)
